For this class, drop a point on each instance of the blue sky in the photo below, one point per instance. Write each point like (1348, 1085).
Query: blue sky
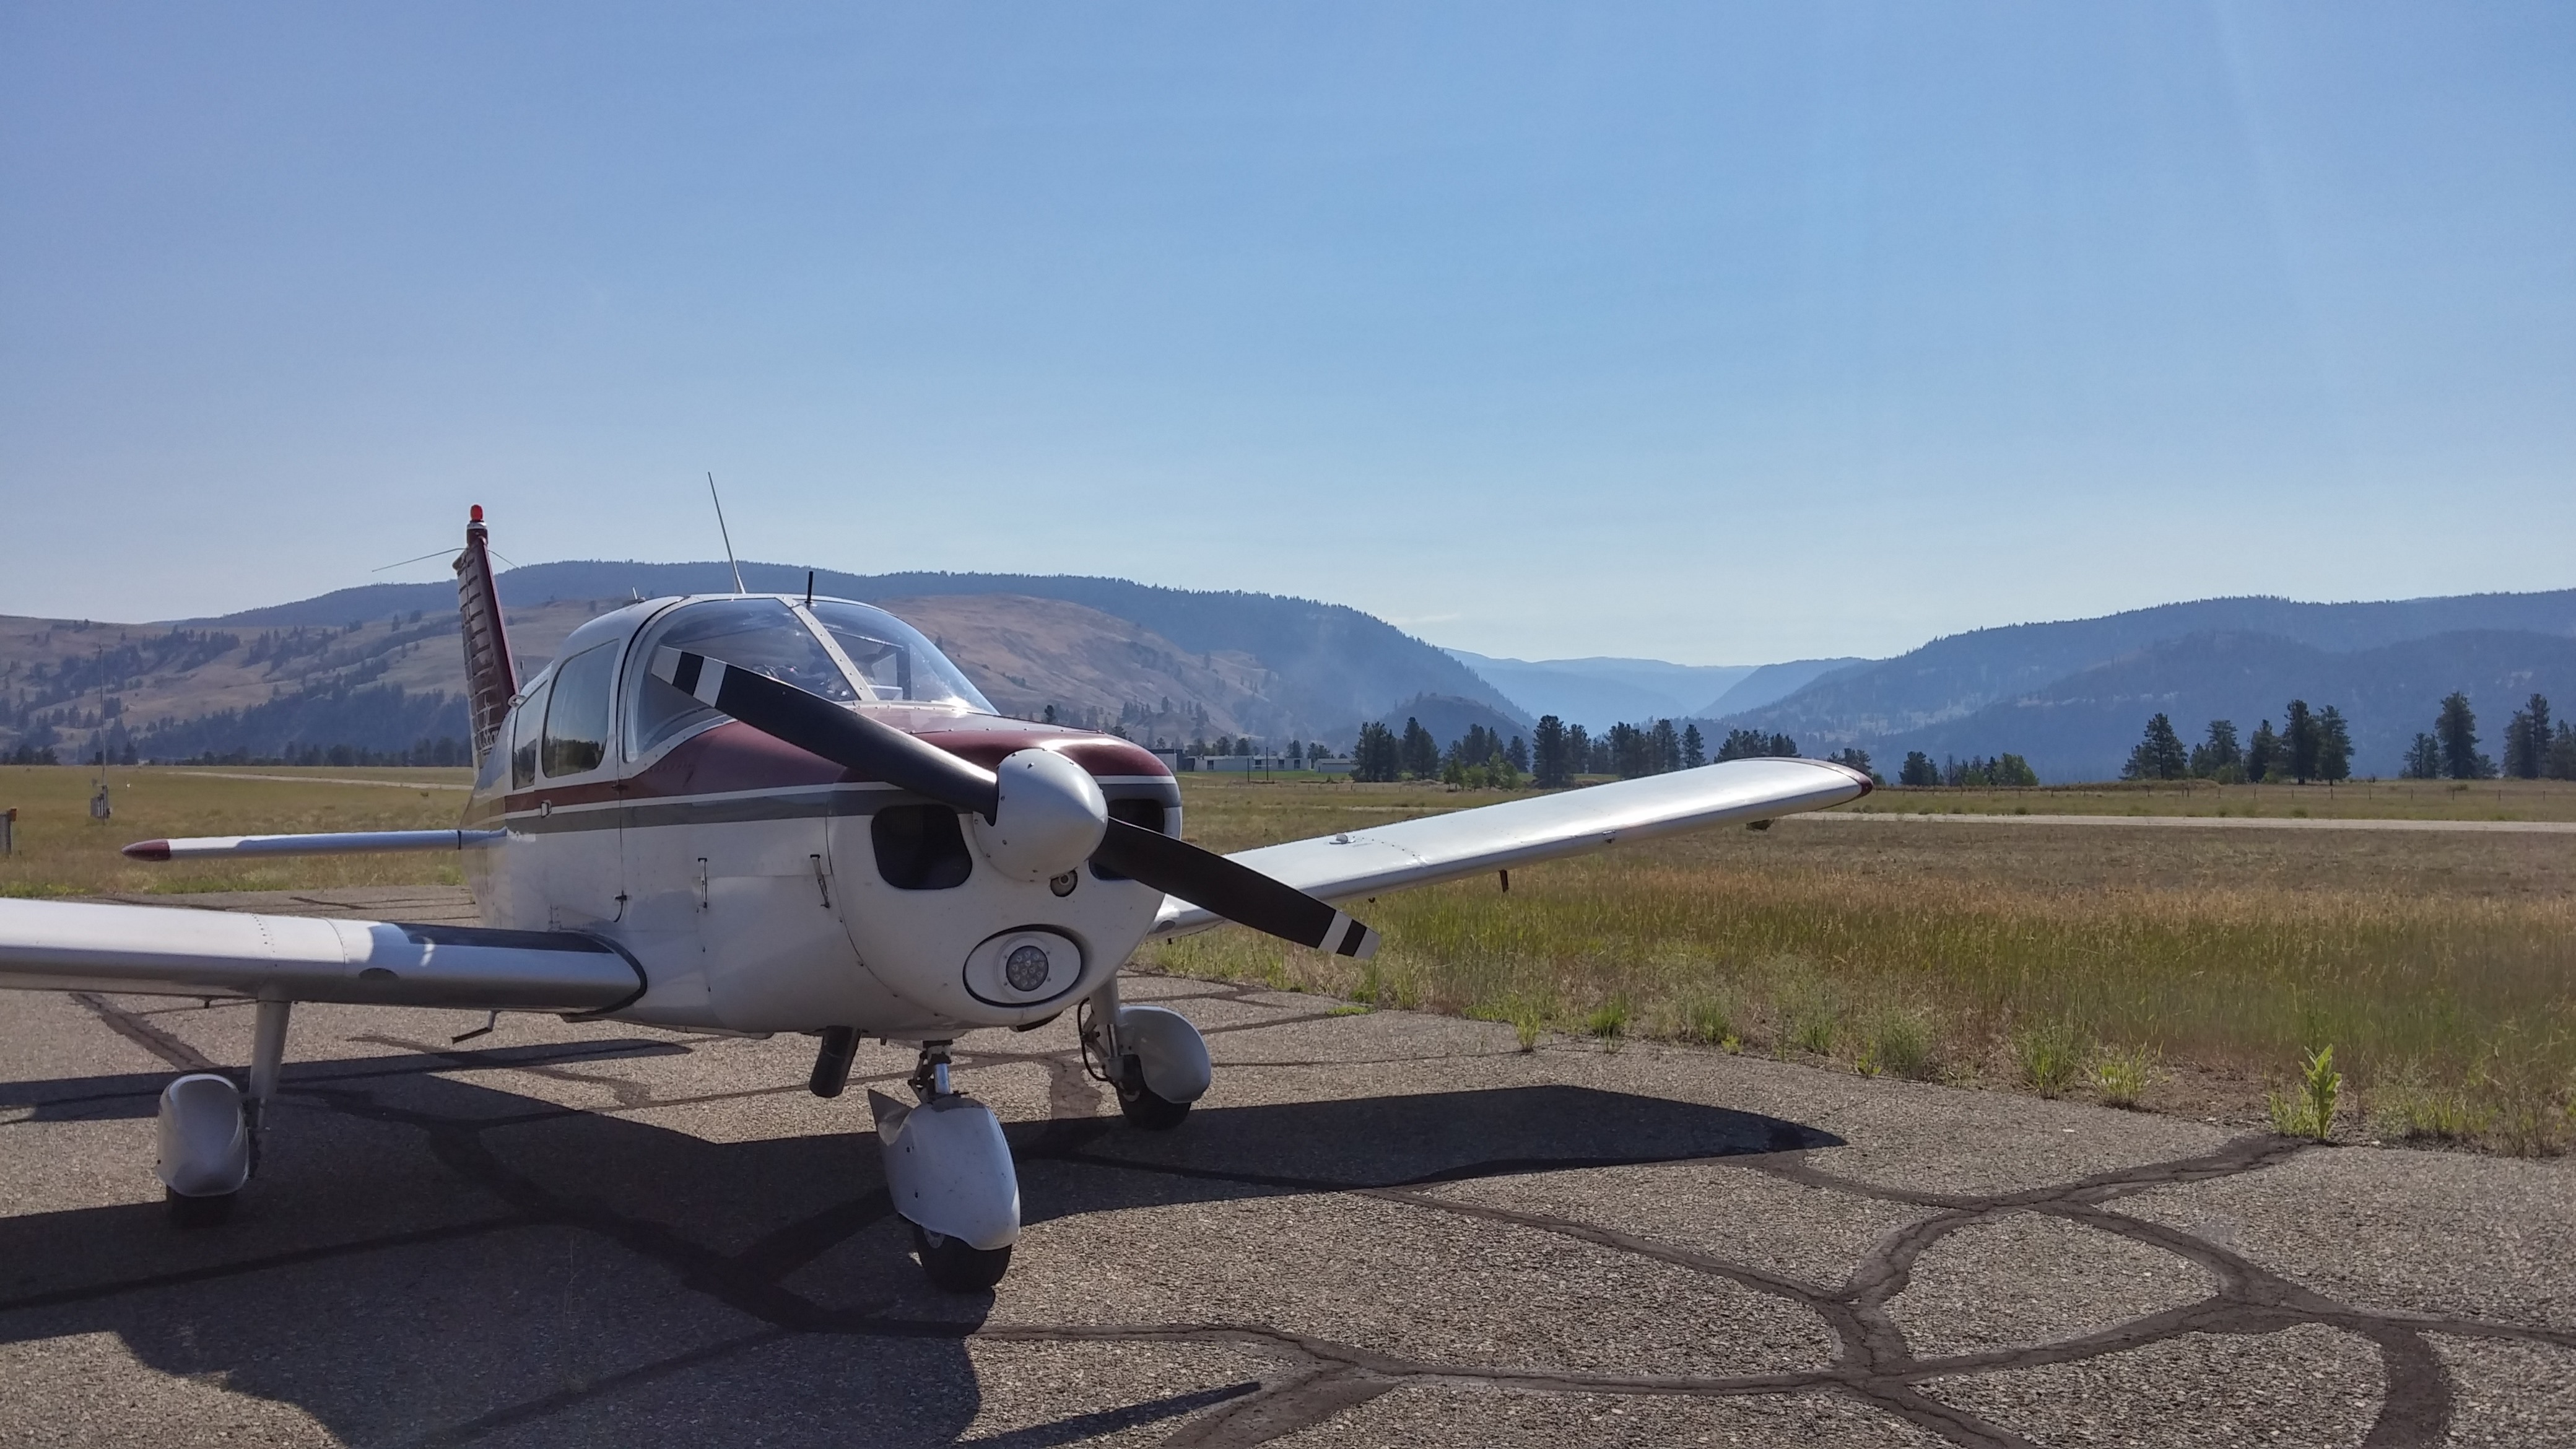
(1715, 333)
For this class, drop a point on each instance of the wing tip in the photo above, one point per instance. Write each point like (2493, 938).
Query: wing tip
(148, 850)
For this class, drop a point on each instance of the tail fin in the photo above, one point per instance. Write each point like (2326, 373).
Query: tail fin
(491, 679)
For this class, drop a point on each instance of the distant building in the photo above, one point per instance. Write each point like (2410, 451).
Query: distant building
(1246, 764)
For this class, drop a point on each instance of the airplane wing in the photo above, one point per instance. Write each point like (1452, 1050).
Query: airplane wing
(168, 951)
(1437, 848)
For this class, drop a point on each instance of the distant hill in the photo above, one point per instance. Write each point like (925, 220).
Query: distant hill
(378, 668)
(2082, 727)
(1325, 667)
(1772, 682)
(1599, 692)
(2063, 694)
(1449, 717)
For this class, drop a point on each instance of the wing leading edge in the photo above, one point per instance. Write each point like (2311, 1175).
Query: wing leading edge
(162, 951)
(1546, 827)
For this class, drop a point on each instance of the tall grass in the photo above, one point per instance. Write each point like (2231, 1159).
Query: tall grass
(61, 851)
(2234, 955)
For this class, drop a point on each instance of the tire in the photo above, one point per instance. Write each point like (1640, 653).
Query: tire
(198, 1212)
(1154, 1114)
(956, 1266)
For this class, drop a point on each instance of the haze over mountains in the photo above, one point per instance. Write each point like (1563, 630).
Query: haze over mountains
(377, 669)
(2072, 697)
(1597, 693)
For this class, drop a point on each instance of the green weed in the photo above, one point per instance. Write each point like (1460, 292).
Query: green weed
(1609, 1020)
(2306, 1108)
(2122, 1075)
(2050, 1055)
(1705, 1019)
(1900, 1044)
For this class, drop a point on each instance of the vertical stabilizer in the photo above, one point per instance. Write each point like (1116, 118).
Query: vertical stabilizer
(491, 679)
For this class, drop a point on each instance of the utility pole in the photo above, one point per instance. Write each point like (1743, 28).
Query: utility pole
(99, 806)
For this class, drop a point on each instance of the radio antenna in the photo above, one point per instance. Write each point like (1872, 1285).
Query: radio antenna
(725, 533)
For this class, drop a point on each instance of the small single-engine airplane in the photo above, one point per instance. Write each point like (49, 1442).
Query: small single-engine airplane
(758, 813)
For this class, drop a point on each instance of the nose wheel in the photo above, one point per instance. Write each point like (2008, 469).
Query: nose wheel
(949, 1171)
(1137, 1102)
(1150, 1055)
(955, 1265)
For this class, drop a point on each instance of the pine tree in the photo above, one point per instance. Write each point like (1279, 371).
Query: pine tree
(1518, 753)
(1377, 756)
(1421, 752)
(2299, 734)
(1578, 752)
(1918, 769)
(2220, 754)
(1858, 759)
(2334, 746)
(2159, 756)
(2526, 740)
(1665, 748)
(2263, 755)
(1694, 749)
(2457, 729)
(2562, 752)
(2423, 759)
(1550, 761)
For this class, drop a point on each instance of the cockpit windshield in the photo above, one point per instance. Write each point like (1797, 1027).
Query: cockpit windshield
(770, 636)
(893, 660)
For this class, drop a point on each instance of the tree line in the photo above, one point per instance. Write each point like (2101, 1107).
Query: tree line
(1555, 754)
(2312, 744)
(2316, 744)
(1987, 773)
(2534, 749)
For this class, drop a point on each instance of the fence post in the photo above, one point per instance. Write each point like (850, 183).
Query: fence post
(9, 832)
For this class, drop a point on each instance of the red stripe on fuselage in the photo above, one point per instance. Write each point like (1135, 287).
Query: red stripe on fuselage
(733, 758)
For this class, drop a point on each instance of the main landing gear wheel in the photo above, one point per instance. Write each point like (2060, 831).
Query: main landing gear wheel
(956, 1266)
(198, 1212)
(1142, 1107)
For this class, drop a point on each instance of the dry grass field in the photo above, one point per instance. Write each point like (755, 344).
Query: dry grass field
(61, 851)
(2351, 800)
(2183, 971)
(2180, 970)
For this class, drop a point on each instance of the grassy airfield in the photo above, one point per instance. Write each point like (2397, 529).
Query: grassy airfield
(2182, 971)
(62, 852)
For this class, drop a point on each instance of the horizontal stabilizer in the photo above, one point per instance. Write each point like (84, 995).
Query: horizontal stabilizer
(345, 842)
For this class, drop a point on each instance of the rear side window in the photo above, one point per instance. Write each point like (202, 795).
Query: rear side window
(523, 735)
(576, 737)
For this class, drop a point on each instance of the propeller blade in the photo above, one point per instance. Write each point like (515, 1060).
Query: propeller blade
(1237, 892)
(852, 740)
(845, 737)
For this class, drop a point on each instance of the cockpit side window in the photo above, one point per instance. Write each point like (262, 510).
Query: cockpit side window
(898, 664)
(576, 736)
(761, 635)
(524, 723)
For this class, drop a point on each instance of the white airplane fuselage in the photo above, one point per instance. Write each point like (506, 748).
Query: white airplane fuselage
(760, 888)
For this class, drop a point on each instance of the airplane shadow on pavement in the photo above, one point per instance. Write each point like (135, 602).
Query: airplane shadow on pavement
(425, 1259)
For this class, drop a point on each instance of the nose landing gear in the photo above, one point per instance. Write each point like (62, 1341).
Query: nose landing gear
(949, 1171)
(1156, 1061)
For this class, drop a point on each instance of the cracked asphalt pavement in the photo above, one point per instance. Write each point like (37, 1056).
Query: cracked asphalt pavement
(1377, 1229)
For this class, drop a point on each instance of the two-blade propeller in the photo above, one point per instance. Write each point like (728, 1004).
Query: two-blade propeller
(852, 740)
